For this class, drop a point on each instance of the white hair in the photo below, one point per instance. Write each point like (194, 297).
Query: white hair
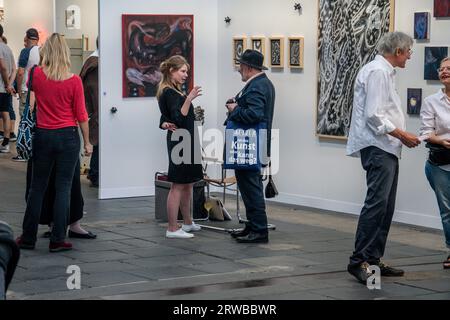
(392, 41)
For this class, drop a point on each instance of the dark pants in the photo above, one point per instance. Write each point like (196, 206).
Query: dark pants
(376, 215)
(57, 149)
(251, 187)
(93, 166)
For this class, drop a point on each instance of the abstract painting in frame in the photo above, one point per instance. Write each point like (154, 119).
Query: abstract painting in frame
(433, 58)
(441, 8)
(296, 48)
(422, 25)
(276, 46)
(239, 46)
(148, 40)
(414, 101)
(349, 32)
(259, 44)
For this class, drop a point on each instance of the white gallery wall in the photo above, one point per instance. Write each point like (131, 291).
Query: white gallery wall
(315, 172)
(132, 146)
(89, 20)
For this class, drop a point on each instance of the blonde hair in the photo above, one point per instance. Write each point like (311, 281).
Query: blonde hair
(173, 63)
(56, 58)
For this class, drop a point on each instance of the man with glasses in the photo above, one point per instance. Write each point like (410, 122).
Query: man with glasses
(376, 135)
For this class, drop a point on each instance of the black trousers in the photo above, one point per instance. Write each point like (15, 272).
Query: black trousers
(58, 149)
(251, 187)
(376, 215)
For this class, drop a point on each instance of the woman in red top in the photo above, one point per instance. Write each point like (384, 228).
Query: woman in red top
(56, 143)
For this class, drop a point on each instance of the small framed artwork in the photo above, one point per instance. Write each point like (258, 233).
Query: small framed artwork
(442, 8)
(433, 58)
(296, 45)
(422, 25)
(259, 44)
(414, 100)
(70, 18)
(239, 46)
(276, 46)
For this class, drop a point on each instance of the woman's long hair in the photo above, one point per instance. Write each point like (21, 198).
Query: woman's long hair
(56, 58)
(173, 63)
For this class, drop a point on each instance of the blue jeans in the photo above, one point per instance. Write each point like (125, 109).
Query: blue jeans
(440, 182)
(57, 149)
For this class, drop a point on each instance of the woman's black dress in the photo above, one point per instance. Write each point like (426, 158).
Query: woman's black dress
(76, 197)
(170, 103)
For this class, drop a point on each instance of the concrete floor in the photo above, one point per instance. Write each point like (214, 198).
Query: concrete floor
(131, 259)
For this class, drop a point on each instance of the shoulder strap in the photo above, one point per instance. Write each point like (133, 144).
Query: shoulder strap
(30, 78)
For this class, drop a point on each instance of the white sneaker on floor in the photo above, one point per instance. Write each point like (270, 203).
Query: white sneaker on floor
(191, 227)
(180, 234)
(4, 149)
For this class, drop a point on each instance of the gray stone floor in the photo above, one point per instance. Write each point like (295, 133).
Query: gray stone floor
(131, 259)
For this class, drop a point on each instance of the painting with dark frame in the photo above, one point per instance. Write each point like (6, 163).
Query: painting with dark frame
(441, 8)
(148, 40)
(433, 58)
(349, 32)
(422, 25)
(414, 101)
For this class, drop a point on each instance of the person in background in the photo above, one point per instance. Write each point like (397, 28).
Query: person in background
(377, 132)
(56, 142)
(7, 76)
(89, 76)
(435, 118)
(177, 112)
(29, 57)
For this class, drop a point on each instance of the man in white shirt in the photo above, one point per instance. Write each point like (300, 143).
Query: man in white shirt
(377, 132)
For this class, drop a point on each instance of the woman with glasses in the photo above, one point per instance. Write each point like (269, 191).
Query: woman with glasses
(435, 117)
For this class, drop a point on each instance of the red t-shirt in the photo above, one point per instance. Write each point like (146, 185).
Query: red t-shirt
(60, 104)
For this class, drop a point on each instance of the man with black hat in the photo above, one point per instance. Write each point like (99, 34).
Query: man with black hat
(254, 104)
(29, 57)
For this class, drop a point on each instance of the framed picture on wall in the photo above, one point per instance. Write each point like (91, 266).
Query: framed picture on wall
(259, 44)
(296, 48)
(343, 49)
(441, 8)
(148, 40)
(276, 46)
(70, 18)
(239, 46)
(433, 58)
(422, 25)
(414, 100)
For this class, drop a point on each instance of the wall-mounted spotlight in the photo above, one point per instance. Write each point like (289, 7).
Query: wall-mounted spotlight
(227, 20)
(298, 7)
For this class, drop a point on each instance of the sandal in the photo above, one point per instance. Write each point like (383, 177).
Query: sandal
(446, 263)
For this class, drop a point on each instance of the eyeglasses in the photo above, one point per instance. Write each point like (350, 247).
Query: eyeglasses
(442, 69)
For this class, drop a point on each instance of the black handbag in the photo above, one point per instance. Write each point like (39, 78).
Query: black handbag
(271, 190)
(438, 155)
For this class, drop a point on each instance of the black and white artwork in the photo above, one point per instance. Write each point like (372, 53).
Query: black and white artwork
(276, 52)
(349, 31)
(258, 44)
(296, 45)
(239, 46)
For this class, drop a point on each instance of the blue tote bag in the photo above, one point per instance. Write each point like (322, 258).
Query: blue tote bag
(245, 145)
(26, 126)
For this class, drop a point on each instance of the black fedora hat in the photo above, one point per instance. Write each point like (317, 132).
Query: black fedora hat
(253, 59)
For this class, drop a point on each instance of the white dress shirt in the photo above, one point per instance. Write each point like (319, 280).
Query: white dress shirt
(376, 111)
(435, 117)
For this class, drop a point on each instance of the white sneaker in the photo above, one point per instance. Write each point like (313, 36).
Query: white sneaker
(180, 234)
(191, 227)
(4, 149)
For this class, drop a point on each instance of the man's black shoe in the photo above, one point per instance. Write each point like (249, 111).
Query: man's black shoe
(360, 272)
(387, 271)
(253, 237)
(240, 232)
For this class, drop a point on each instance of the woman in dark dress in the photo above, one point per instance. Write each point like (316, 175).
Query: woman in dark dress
(177, 115)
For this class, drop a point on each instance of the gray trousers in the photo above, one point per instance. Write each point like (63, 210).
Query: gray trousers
(376, 215)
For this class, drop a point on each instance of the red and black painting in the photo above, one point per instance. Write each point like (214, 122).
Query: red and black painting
(442, 8)
(148, 40)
